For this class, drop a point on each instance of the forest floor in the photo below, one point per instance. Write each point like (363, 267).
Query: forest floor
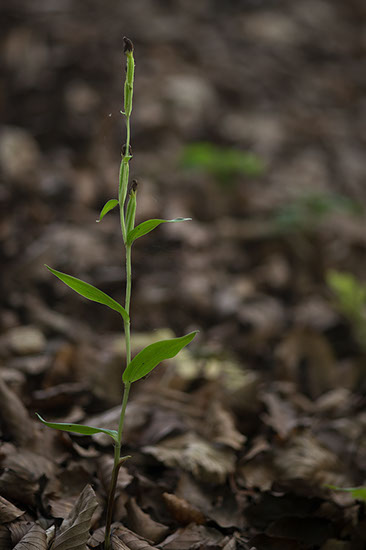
(249, 117)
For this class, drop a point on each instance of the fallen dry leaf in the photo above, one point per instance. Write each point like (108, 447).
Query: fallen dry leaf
(131, 540)
(281, 415)
(74, 531)
(14, 416)
(142, 524)
(218, 504)
(257, 473)
(182, 511)
(18, 529)
(8, 512)
(306, 357)
(19, 487)
(117, 544)
(192, 453)
(221, 427)
(305, 458)
(35, 538)
(5, 540)
(192, 537)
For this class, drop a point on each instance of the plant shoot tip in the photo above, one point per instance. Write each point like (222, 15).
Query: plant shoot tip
(128, 48)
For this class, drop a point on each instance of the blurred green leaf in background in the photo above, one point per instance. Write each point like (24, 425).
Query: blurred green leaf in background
(350, 300)
(223, 163)
(305, 213)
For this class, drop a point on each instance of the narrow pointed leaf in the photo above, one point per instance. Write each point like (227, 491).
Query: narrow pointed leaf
(109, 205)
(358, 493)
(89, 292)
(147, 226)
(148, 358)
(78, 428)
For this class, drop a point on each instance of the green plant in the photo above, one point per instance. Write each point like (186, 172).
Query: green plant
(350, 296)
(358, 493)
(221, 163)
(147, 359)
(305, 213)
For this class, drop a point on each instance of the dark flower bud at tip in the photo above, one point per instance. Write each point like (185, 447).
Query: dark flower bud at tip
(128, 45)
(132, 187)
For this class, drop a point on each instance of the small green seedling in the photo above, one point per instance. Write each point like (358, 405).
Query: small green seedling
(145, 361)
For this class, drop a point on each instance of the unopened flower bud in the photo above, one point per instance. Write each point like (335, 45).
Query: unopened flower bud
(128, 45)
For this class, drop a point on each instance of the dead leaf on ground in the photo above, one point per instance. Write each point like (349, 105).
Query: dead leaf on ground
(218, 504)
(63, 490)
(14, 416)
(8, 512)
(182, 511)
(281, 415)
(5, 539)
(192, 453)
(141, 523)
(258, 473)
(305, 458)
(131, 540)
(18, 530)
(193, 537)
(74, 531)
(306, 358)
(117, 544)
(35, 538)
(221, 427)
(18, 486)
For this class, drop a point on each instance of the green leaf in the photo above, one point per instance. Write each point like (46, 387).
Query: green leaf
(223, 163)
(78, 428)
(131, 211)
(148, 358)
(358, 493)
(149, 225)
(89, 292)
(109, 205)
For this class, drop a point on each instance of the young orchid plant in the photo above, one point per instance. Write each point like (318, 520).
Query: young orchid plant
(147, 359)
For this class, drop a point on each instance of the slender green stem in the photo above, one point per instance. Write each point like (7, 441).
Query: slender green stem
(123, 185)
(128, 134)
(121, 200)
(116, 466)
(127, 303)
(123, 411)
(126, 391)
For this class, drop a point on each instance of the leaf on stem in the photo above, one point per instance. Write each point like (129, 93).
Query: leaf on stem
(149, 225)
(90, 292)
(78, 428)
(148, 358)
(109, 205)
(358, 493)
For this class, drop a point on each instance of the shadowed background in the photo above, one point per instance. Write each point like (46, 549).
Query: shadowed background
(248, 116)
